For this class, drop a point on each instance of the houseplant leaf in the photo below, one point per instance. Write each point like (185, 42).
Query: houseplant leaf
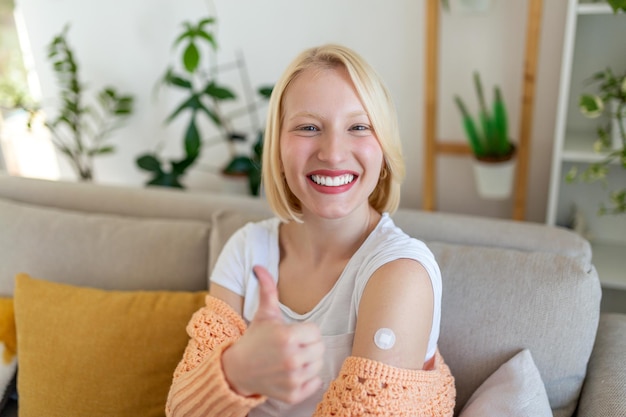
(172, 79)
(192, 139)
(191, 57)
(149, 162)
(500, 124)
(239, 165)
(470, 128)
(266, 91)
(219, 92)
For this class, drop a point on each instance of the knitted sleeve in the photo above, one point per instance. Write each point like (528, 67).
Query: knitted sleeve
(199, 387)
(365, 387)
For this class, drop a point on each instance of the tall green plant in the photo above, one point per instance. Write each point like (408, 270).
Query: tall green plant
(204, 96)
(81, 129)
(487, 134)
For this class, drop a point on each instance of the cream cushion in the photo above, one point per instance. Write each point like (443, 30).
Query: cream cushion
(514, 390)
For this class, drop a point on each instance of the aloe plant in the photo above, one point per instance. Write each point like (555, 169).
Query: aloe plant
(487, 134)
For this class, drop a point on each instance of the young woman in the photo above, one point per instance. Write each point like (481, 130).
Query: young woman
(328, 309)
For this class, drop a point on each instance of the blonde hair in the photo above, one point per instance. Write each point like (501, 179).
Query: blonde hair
(380, 110)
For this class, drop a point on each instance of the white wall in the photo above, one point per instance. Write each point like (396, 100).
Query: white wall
(127, 44)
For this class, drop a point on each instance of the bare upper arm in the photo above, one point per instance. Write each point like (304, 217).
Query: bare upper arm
(398, 296)
(227, 296)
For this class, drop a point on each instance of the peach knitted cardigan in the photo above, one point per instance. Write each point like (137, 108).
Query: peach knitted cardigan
(199, 388)
(363, 387)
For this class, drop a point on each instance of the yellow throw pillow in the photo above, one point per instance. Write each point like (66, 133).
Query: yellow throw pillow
(90, 352)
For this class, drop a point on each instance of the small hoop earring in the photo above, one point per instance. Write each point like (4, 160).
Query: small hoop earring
(383, 172)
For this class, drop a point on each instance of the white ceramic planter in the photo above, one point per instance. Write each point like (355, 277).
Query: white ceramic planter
(494, 180)
(616, 138)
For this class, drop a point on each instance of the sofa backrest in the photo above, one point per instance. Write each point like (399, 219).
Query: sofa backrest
(491, 232)
(154, 239)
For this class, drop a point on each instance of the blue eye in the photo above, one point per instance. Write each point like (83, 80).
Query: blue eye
(308, 128)
(360, 127)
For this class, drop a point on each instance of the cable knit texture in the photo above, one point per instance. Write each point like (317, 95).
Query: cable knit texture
(199, 387)
(365, 387)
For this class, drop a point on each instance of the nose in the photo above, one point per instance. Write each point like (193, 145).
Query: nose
(333, 146)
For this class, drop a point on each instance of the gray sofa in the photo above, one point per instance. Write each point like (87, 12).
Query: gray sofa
(507, 285)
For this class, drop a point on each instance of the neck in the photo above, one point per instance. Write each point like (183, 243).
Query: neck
(322, 240)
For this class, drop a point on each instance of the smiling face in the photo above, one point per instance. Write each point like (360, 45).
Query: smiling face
(329, 152)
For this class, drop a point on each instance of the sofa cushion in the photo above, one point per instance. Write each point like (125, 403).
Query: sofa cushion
(89, 352)
(105, 251)
(514, 390)
(498, 301)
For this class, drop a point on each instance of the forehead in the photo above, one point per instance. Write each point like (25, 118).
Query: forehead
(313, 87)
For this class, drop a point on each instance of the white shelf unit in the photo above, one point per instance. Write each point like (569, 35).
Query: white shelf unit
(594, 40)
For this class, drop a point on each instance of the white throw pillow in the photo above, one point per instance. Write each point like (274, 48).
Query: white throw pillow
(514, 390)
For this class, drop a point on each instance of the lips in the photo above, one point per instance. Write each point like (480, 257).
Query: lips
(332, 181)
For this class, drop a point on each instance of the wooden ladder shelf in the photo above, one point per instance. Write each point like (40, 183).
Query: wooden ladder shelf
(433, 147)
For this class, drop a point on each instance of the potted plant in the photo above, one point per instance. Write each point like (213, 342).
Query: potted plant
(489, 141)
(610, 100)
(82, 126)
(204, 96)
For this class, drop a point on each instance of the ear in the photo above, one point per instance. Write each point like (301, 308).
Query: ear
(384, 171)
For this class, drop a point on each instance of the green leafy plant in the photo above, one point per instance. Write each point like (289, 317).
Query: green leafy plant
(81, 129)
(611, 88)
(204, 97)
(487, 134)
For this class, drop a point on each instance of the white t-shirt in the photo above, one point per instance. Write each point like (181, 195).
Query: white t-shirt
(336, 314)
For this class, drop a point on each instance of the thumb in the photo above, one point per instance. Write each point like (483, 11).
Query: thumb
(269, 308)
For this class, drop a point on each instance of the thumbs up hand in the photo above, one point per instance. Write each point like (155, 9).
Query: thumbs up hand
(273, 358)
(269, 306)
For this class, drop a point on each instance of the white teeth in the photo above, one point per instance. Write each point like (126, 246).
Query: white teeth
(333, 181)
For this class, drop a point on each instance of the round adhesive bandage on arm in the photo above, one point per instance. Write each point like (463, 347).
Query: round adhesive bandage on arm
(384, 338)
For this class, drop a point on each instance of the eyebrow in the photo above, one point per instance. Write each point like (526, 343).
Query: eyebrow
(319, 116)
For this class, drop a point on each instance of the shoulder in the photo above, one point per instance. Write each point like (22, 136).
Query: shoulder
(391, 253)
(400, 279)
